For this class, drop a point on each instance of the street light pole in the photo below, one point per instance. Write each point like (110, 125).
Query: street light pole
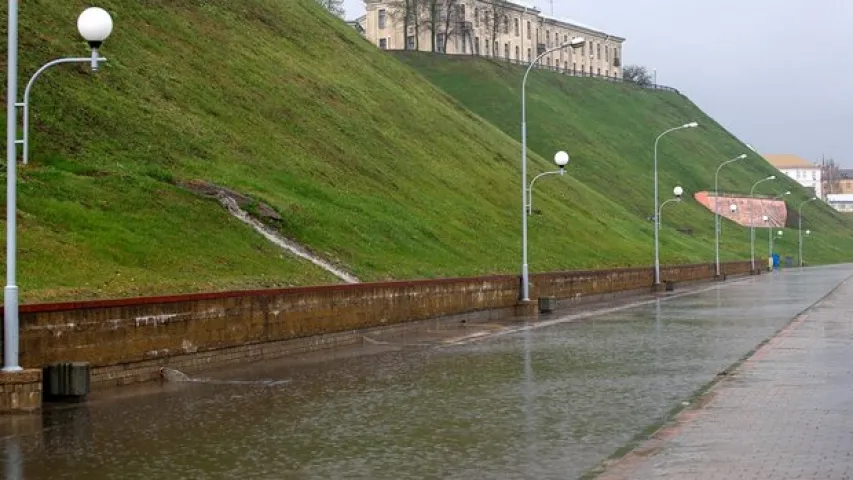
(752, 219)
(576, 42)
(94, 25)
(657, 207)
(800, 227)
(717, 212)
(10, 292)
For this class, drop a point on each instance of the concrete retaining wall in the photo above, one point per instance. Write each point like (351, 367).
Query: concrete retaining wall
(127, 340)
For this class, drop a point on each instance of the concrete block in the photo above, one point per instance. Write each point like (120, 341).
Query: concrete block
(67, 381)
(547, 304)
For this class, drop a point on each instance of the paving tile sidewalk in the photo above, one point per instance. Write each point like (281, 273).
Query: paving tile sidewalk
(785, 413)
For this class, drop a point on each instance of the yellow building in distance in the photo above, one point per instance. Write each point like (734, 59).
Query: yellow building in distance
(502, 29)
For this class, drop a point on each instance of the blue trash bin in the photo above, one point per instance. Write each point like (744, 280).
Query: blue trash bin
(776, 260)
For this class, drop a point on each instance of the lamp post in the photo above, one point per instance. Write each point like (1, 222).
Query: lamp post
(561, 158)
(94, 25)
(752, 219)
(800, 227)
(717, 212)
(575, 43)
(657, 245)
(767, 219)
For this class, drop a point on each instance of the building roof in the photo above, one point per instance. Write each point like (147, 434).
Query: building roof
(572, 23)
(788, 161)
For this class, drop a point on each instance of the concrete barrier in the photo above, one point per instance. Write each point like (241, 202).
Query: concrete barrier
(127, 340)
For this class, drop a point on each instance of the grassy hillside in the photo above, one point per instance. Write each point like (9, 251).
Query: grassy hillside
(368, 163)
(610, 129)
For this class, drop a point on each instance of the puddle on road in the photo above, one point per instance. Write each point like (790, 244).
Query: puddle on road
(177, 376)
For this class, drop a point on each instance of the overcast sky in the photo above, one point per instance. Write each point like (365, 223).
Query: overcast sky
(774, 72)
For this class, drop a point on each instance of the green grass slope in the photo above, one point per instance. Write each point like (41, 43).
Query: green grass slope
(610, 129)
(368, 163)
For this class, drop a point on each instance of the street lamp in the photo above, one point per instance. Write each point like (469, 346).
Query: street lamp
(717, 212)
(575, 43)
(752, 218)
(800, 227)
(657, 245)
(94, 25)
(561, 158)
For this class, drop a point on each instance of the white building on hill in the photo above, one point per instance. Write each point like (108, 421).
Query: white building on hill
(803, 171)
(493, 28)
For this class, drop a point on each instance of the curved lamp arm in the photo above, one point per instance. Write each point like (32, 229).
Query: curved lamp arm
(561, 171)
(26, 103)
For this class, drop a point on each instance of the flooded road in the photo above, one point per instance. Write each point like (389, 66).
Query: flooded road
(548, 401)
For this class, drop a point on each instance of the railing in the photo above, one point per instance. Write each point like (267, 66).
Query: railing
(565, 71)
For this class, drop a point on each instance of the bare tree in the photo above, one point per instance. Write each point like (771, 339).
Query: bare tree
(637, 75)
(335, 7)
(496, 21)
(452, 19)
(830, 176)
(410, 11)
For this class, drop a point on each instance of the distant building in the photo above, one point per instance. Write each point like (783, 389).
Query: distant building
(843, 202)
(803, 171)
(494, 28)
(843, 184)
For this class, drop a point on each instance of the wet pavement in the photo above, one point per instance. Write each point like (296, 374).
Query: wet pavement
(547, 400)
(787, 412)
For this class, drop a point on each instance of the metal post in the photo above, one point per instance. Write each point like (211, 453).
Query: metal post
(800, 227)
(752, 220)
(525, 277)
(770, 245)
(561, 171)
(10, 293)
(717, 212)
(657, 207)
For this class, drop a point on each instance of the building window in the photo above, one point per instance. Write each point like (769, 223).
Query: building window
(506, 24)
(606, 53)
(548, 38)
(476, 17)
(439, 43)
(574, 67)
(464, 44)
(566, 39)
(486, 47)
(517, 55)
(515, 26)
(383, 18)
(567, 67)
(506, 51)
(383, 44)
(528, 30)
(477, 45)
(410, 42)
(599, 72)
(598, 52)
(461, 13)
(528, 55)
(556, 39)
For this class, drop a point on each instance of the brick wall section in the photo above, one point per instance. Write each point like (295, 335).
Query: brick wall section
(127, 340)
(564, 285)
(20, 391)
